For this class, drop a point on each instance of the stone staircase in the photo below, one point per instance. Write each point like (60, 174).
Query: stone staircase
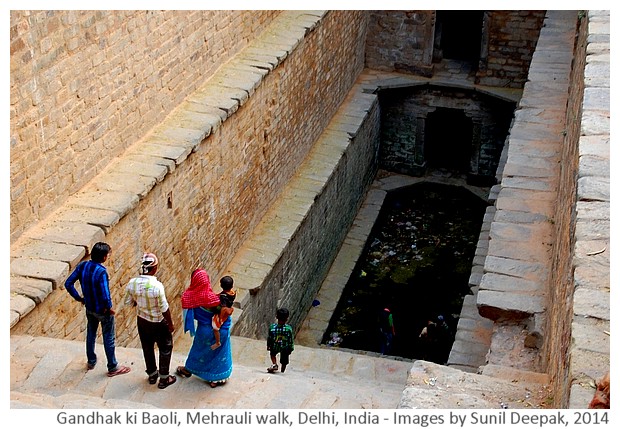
(51, 373)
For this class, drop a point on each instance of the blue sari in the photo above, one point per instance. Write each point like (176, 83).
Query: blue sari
(210, 365)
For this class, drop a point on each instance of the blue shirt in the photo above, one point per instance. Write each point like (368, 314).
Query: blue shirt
(94, 282)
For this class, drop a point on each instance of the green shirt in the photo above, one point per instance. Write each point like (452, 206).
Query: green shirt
(280, 338)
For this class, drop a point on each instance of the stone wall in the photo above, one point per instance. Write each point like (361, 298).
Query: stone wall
(204, 208)
(403, 41)
(558, 328)
(290, 253)
(405, 113)
(86, 85)
(511, 38)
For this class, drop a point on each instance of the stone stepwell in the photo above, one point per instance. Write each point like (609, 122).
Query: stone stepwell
(51, 373)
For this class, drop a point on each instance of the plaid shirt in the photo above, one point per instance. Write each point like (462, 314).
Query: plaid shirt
(279, 338)
(148, 293)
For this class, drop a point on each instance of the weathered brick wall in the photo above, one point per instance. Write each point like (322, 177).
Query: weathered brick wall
(405, 112)
(296, 277)
(403, 41)
(512, 37)
(220, 191)
(556, 351)
(85, 85)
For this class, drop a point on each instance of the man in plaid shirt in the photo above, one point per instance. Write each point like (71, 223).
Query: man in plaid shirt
(280, 340)
(154, 320)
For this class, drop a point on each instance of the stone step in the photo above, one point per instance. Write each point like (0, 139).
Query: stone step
(432, 386)
(45, 373)
(511, 374)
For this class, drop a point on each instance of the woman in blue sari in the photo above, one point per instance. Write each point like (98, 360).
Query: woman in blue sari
(213, 366)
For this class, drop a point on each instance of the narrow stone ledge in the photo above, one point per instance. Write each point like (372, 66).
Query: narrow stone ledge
(275, 55)
(191, 120)
(180, 136)
(595, 123)
(510, 374)
(530, 270)
(54, 271)
(101, 218)
(520, 233)
(131, 182)
(21, 305)
(35, 289)
(238, 84)
(505, 283)
(51, 251)
(526, 184)
(593, 166)
(245, 66)
(497, 306)
(139, 154)
(214, 115)
(116, 201)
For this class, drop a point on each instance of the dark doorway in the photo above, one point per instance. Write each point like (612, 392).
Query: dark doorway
(448, 140)
(459, 33)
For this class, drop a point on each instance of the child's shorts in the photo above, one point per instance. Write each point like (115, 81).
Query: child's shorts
(284, 355)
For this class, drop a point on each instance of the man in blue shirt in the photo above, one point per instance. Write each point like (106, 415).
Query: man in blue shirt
(94, 282)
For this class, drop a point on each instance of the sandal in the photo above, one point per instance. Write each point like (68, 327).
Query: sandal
(214, 384)
(90, 366)
(165, 382)
(273, 368)
(119, 370)
(153, 378)
(183, 372)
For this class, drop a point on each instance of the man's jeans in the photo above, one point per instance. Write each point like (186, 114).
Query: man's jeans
(107, 332)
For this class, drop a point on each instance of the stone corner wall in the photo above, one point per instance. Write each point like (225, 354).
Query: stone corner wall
(300, 236)
(197, 185)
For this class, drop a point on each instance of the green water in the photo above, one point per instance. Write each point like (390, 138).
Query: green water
(417, 263)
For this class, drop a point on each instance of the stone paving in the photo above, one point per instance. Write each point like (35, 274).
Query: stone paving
(51, 374)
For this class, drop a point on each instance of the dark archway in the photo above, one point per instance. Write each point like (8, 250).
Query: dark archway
(448, 140)
(459, 33)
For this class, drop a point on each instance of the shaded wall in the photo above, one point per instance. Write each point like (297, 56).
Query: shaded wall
(403, 41)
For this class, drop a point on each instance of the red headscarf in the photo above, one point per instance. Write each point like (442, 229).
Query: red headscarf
(199, 293)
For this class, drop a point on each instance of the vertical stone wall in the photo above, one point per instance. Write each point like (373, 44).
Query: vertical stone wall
(204, 209)
(400, 40)
(404, 114)
(556, 350)
(510, 42)
(403, 41)
(85, 85)
(342, 165)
